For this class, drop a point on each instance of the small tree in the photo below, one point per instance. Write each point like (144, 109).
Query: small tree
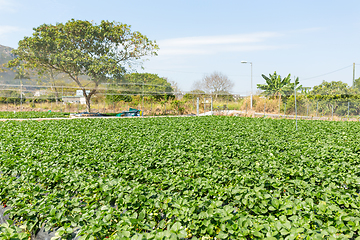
(215, 83)
(80, 48)
(275, 86)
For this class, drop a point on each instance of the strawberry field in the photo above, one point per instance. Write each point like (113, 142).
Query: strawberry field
(182, 178)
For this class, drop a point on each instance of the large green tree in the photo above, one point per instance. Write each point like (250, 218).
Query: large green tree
(336, 96)
(81, 48)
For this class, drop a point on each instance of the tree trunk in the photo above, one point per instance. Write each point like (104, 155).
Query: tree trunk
(56, 95)
(88, 107)
(88, 97)
(54, 86)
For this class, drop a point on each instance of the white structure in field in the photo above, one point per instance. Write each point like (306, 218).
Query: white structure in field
(39, 93)
(80, 92)
(78, 98)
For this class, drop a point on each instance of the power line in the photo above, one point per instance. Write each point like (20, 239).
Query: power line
(326, 73)
(86, 87)
(193, 72)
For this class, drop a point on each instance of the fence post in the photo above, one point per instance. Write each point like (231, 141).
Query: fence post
(197, 106)
(317, 108)
(21, 96)
(142, 102)
(295, 105)
(211, 105)
(279, 107)
(332, 112)
(227, 104)
(165, 108)
(307, 110)
(204, 105)
(348, 109)
(285, 110)
(264, 108)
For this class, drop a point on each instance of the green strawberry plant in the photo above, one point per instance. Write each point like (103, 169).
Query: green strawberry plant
(182, 178)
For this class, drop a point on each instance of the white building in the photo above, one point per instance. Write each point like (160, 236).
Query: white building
(78, 98)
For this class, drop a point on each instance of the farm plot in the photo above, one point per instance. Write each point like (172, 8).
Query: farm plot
(183, 178)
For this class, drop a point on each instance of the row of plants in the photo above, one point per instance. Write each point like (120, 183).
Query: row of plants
(18, 100)
(182, 178)
(32, 114)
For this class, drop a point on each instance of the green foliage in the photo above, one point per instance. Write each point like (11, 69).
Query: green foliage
(81, 48)
(333, 91)
(144, 84)
(192, 95)
(118, 96)
(178, 106)
(176, 178)
(21, 74)
(276, 86)
(10, 232)
(224, 96)
(357, 84)
(335, 96)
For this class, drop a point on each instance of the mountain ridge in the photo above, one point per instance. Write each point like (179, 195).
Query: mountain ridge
(5, 56)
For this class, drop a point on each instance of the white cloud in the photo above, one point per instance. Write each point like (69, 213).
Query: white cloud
(215, 44)
(222, 39)
(7, 5)
(8, 29)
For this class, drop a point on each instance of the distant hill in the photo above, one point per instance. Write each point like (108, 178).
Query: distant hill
(5, 56)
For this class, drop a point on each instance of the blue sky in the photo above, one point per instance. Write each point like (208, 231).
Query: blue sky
(197, 37)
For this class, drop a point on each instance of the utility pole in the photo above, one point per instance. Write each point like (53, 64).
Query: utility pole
(197, 106)
(295, 104)
(143, 95)
(353, 74)
(21, 95)
(251, 86)
(251, 93)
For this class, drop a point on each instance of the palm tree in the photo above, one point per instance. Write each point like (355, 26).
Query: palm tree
(276, 86)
